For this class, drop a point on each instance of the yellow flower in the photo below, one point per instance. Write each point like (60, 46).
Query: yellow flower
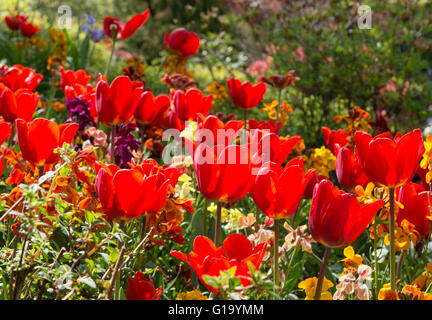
(322, 159)
(135, 68)
(271, 110)
(184, 187)
(175, 64)
(386, 293)
(365, 195)
(309, 286)
(352, 260)
(191, 295)
(189, 130)
(426, 162)
(405, 234)
(218, 91)
(232, 218)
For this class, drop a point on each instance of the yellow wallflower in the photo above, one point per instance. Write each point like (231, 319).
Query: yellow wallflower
(405, 234)
(426, 162)
(184, 187)
(175, 64)
(191, 295)
(231, 218)
(322, 159)
(189, 130)
(218, 91)
(271, 110)
(352, 260)
(309, 286)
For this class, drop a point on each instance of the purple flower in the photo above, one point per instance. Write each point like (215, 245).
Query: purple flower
(96, 35)
(125, 142)
(89, 21)
(79, 112)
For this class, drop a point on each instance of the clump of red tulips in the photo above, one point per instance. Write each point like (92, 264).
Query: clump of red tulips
(112, 183)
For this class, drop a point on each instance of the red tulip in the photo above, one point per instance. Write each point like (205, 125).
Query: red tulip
(212, 131)
(124, 31)
(19, 104)
(148, 107)
(336, 218)
(19, 77)
(415, 209)
(38, 139)
(333, 137)
(278, 191)
(116, 103)
(28, 29)
(73, 83)
(236, 251)
(212, 127)
(113, 186)
(14, 22)
(20, 22)
(182, 42)
(390, 162)
(169, 119)
(349, 171)
(188, 105)
(264, 125)
(5, 131)
(223, 173)
(245, 95)
(273, 148)
(141, 288)
(307, 194)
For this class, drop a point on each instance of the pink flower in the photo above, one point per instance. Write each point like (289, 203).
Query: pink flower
(299, 54)
(259, 67)
(364, 272)
(99, 137)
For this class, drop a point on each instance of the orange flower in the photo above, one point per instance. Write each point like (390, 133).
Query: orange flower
(386, 293)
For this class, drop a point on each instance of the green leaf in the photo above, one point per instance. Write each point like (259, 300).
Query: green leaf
(84, 50)
(88, 281)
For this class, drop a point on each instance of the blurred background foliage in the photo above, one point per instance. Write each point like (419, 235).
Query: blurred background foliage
(385, 70)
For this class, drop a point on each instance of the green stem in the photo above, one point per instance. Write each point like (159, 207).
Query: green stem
(293, 254)
(276, 254)
(218, 223)
(392, 240)
(117, 270)
(205, 217)
(257, 218)
(322, 273)
(375, 244)
(245, 118)
(279, 105)
(108, 65)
